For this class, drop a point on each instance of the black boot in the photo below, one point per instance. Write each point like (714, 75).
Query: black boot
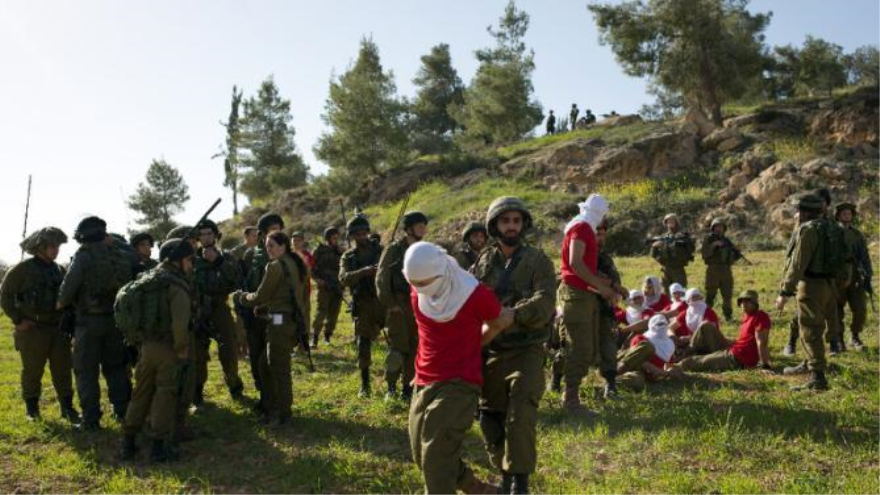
(391, 394)
(32, 408)
(365, 383)
(407, 393)
(556, 384)
(69, 412)
(506, 482)
(162, 451)
(610, 377)
(817, 382)
(315, 342)
(835, 347)
(237, 393)
(199, 396)
(119, 412)
(520, 483)
(856, 343)
(129, 448)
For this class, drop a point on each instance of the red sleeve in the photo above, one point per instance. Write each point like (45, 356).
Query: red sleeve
(647, 313)
(682, 330)
(712, 316)
(637, 339)
(764, 321)
(620, 315)
(584, 232)
(487, 305)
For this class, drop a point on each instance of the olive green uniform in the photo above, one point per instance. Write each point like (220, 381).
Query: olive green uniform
(254, 264)
(674, 254)
(394, 294)
(354, 273)
(326, 272)
(155, 399)
(513, 368)
(279, 291)
(238, 253)
(859, 271)
(715, 362)
(96, 273)
(466, 257)
(29, 292)
(214, 282)
(632, 374)
(719, 271)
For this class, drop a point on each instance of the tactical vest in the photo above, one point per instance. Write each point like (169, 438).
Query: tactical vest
(40, 292)
(831, 251)
(354, 260)
(259, 260)
(108, 269)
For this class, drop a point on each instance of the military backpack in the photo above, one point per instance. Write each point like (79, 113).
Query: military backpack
(141, 308)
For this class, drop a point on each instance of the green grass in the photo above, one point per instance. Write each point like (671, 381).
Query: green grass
(612, 135)
(740, 432)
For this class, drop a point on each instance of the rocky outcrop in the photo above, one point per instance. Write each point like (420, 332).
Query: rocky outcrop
(851, 121)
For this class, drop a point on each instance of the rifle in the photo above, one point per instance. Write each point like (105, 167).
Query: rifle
(400, 214)
(27, 208)
(302, 332)
(737, 254)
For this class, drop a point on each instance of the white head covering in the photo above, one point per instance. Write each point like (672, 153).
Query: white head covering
(675, 288)
(658, 290)
(633, 313)
(696, 309)
(657, 334)
(441, 299)
(592, 211)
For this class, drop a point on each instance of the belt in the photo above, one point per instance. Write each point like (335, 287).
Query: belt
(817, 276)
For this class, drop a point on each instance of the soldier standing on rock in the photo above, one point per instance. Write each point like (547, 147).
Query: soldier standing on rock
(674, 251)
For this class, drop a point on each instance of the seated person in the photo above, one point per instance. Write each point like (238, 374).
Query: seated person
(634, 319)
(749, 349)
(649, 357)
(654, 296)
(678, 304)
(697, 330)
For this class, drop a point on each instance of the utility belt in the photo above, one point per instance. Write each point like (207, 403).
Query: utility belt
(817, 276)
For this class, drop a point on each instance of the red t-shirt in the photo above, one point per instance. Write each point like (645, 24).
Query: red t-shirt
(682, 307)
(620, 315)
(681, 318)
(745, 349)
(661, 303)
(584, 233)
(451, 350)
(655, 359)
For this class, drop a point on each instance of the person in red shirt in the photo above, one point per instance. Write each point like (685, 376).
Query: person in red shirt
(634, 319)
(654, 296)
(697, 330)
(579, 295)
(649, 357)
(455, 316)
(677, 304)
(749, 349)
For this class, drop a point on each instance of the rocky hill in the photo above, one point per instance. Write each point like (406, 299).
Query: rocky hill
(744, 171)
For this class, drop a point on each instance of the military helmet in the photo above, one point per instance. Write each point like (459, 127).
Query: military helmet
(297, 233)
(90, 229)
(175, 249)
(38, 240)
(471, 228)
(672, 216)
(411, 218)
(503, 205)
(747, 295)
(824, 194)
(119, 238)
(810, 202)
(845, 206)
(141, 236)
(330, 232)
(209, 224)
(268, 220)
(717, 221)
(182, 232)
(357, 224)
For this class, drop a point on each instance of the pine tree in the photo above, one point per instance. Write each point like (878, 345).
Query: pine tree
(439, 89)
(159, 198)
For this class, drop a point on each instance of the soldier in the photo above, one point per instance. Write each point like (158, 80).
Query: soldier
(164, 351)
(811, 265)
(674, 250)
(279, 299)
(357, 271)
(97, 272)
(473, 241)
(326, 275)
(524, 279)
(143, 243)
(573, 114)
(589, 118)
(28, 296)
(860, 274)
(580, 294)
(720, 254)
(394, 294)
(249, 234)
(551, 123)
(216, 275)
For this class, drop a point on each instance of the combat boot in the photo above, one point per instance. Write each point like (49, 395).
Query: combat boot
(571, 401)
(856, 343)
(610, 392)
(119, 412)
(315, 342)
(556, 383)
(506, 482)
(129, 447)
(162, 452)
(391, 394)
(407, 393)
(834, 347)
(800, 369)
(365, 391)
(817, 382)
(32, 408)
(199, 396)
(237, 393)
(69, 412)
(520, 483)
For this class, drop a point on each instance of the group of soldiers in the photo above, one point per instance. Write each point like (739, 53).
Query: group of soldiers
(574, 122)
(267, 278)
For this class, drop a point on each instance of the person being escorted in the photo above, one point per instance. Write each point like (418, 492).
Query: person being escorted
(454, 314)
(860, 272)
(164, 351)
(649, 357)
(720, 254)
(326, 274)
(27, 296)
(279, 301)
(697, 330)
(674, 251)
(473, 241)
(393, 292)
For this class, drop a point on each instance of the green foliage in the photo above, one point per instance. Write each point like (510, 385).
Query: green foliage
(271, 161)
(498, 105)
(797, 150)
(229, 152)
(367, 133)
(863, 66)
(820, 68)
(439, 89)
(707, 51)
(159, 198)
(609, 134)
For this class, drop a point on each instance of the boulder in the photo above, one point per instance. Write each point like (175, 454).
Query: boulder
(620, 120)
(775, 184)
(724, 139)
(701, 125)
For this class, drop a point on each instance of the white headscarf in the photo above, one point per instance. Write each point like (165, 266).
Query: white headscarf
(443, 298)
(657, 334)
(674, 289)
(633, 313)
(658, 290)
(696, 309)
(592, 211)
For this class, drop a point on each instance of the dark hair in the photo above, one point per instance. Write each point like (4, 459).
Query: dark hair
(248, 230)
(280, 238)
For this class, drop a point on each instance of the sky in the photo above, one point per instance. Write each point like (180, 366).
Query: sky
(92, 91)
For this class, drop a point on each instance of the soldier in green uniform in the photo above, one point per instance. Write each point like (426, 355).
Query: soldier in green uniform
(249, 234)
(523, 278)
(394, 294)
(163, 353)
(812, 268)
(326, 274)
(573, 115)
(28, 297)
(720, 254)
(98, 270)
(860, 273)
(143, 243)
(280, 300)
(357, 271)
(674, 251)
(473, 241)
(216, 276)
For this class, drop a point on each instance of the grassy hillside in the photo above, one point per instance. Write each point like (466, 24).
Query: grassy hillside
(733, 433)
